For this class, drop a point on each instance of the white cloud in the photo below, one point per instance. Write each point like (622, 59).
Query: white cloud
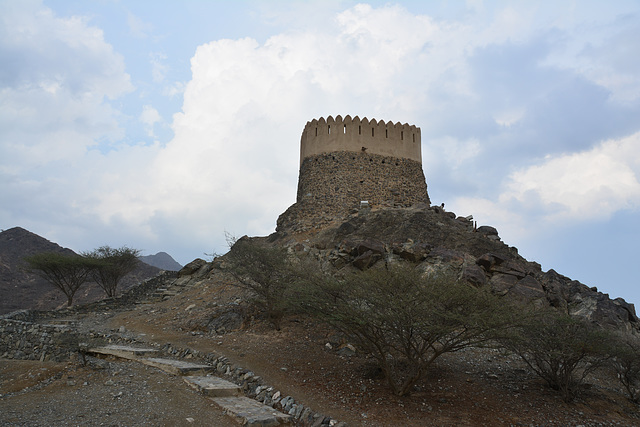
(587, 185)
(137, 27)
(573, 188)
(158, 66)
(56, 75)
(149, 117)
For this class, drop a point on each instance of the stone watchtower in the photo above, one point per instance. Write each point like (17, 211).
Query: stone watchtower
(344, 162)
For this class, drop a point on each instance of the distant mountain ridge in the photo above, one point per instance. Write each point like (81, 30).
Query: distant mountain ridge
(22, 290)
(161, 260)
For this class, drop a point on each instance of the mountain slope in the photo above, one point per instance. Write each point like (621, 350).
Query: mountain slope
(22, 290)
(161, 260)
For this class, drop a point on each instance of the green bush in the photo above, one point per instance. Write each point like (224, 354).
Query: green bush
(626, 363)
(560, 349)
(111, 265)
(266, 271)
(405, 319)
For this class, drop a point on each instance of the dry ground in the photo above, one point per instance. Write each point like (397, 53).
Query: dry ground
(105, 393)
(476, 387)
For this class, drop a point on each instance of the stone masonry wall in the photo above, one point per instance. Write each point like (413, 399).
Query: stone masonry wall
(23, 337)
(33, 341)
(332, 185)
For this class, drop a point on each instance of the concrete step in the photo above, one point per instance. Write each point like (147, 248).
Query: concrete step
(249, 412)
(214, 386)
(123, 351)
(177, 367)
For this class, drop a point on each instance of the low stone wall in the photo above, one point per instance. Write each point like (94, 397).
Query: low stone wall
(33, 341)
(25, 335)
(128, 298)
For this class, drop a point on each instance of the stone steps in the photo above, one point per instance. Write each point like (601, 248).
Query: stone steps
(248, 412)
(227, 395)
(177, 367)
(123, 351)
(213, 386)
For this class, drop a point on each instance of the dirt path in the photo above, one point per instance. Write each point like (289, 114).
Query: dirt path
(113, 393)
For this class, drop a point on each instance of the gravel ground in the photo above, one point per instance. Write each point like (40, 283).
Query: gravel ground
(103, 393)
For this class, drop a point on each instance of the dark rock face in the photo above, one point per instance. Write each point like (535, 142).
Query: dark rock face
(430, 236)
(192, 267)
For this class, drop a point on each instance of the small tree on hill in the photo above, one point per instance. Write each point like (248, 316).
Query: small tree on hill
(560, 349)
(112, 265)
(406, 320)
(266, 271)
(65, 272)
(626, 363)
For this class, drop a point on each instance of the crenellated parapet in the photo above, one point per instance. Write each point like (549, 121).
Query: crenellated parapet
(360, 135)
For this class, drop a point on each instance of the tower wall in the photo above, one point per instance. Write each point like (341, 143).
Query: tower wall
(344, 162)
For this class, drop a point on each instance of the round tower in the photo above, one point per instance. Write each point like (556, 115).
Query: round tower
(344, 162)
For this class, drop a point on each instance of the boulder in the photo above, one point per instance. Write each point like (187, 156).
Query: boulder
(475, 275)
(512, 267)
(410, 251)
(487, 230)
(493, 263)
(375, 246)
(527, 289)
(489, 260)
(501, 284)
(366, 260)
(348, 247)
(192, 267)
(447, 255)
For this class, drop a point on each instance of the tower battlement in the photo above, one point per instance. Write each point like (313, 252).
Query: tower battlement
(360, 135)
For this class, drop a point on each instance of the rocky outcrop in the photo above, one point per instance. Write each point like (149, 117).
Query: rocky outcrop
(432, 237)
(193, 267)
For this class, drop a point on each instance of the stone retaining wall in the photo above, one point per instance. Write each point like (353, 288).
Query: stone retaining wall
(33, 341)
(24, 336)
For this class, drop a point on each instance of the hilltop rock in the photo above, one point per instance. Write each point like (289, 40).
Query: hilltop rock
(434, 238)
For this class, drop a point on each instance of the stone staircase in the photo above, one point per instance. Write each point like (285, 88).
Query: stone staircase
(190, 275)
(227, 395)
(165, 292)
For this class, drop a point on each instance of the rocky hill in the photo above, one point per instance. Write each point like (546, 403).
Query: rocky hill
(430, 235)
(22, 290)
(161, 260)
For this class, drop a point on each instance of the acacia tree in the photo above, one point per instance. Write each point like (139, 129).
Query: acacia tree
(626, 363)
(65, 272)
(266, 271)
(560, 349)
(405, 320)
(111, 266)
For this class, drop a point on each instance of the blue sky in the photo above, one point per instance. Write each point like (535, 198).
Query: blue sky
(163, 124)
